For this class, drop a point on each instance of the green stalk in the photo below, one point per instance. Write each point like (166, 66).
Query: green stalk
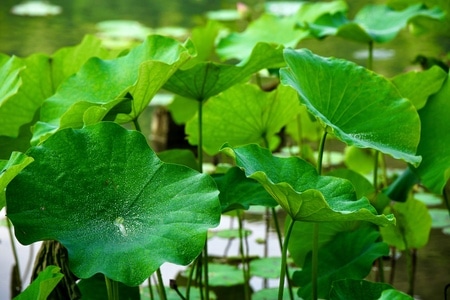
(150, 289)
(370, 56)
(321, 151)
(299, 132)
(162, 290)
(200, 137)
(244, 260)
(283, 270)
(315, 248)
(189, 279)
(278, 230)
(205, 266)
(16, 257)
(136, 125)
(112, 288)
(200, 169)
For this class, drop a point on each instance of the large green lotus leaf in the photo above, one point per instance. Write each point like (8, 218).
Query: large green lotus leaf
(373, 23)
(305, 195)
(243, 114)
(276, 30)
(363, 289)
(117, 208)
(101, 84)
(9, 169)
(413, 225)
(349, 255)
(43, 285)
(240, 192)
(434, 171)
(418, 86)
(360, 107)
(207, 79)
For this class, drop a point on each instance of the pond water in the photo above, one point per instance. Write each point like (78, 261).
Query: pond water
(22, 36)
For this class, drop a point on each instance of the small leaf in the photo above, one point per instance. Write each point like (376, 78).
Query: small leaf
(359, 160)
(27, 84)
(240, 192)
(362, 289)
(243, 114)
(440, 217)
(267, 267)
(94, 288)
(230, 233)
(338, 96)
(373, 23)
(349, 255)
(434, 171)
(276, 30)
(43, 285)
(224, 275)
(119, 210)
(268, 29)
(8, 170)
(302, 193)
(301, 242)
(179, 156)
(413, 225)
(418, 86)
(269, 294)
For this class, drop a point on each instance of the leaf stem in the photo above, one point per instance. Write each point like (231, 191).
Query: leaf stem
(112, 288)
(136, 124)
(283, 270)
(280, 241)
(244, 257)
(162, 290)
(205, 266)
(370, 56)
(315, 248)
(315, 261)
(16, 257)
(200, 137)
(150, 289)
(321, 150)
